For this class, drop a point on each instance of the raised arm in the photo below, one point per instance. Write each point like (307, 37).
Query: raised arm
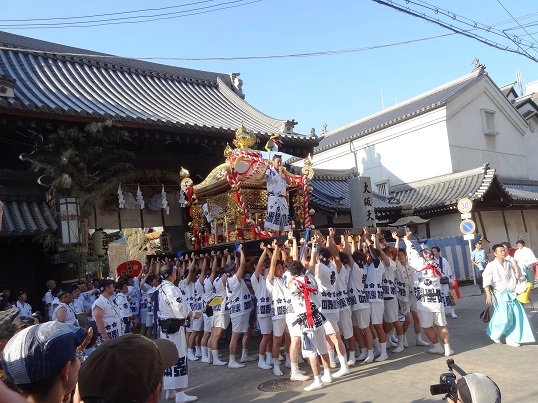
(294, 249)
(346, 238)
(242, 264)
(274, 258)
(261, 260)
(190, 275)
(214, 266)
(334, 250)
(384, 258)
(203, 270)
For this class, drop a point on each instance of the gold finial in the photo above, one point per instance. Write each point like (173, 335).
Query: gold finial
(183, 173)
(244, 138)
(228, 151)
(307, 170)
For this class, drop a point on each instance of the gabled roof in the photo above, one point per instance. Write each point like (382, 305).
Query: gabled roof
(509, 89)
(25, 209)
(331, 192)
(521, 190)
(446, 189)
(423, 103)
(52, 80)
(30, 217)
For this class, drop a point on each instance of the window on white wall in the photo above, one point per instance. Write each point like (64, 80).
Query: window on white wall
(383, 187)
(488, 122)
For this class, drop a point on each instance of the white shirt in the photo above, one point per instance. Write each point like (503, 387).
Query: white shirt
(499, 276)
(374, 277)
(341, 289)
(25, 309)
(47, 299)
(357, 297)
(263, 306)
(78, 304)
(111, 317)
(429, 281)
(524, 257)
(389, 280)
(121, 301)
(220, 291)
(70, 317)
(279, 297)
(239, 297)
(171, 302)
(326, 281)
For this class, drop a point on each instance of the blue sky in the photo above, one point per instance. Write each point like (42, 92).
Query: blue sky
(336, 89)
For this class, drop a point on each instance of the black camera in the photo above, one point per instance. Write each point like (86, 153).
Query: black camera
(447, 386)
(447, 382)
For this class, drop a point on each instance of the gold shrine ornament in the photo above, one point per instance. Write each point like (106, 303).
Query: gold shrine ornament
(244, 138)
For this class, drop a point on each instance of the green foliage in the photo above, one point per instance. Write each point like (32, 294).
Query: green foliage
(89, 162)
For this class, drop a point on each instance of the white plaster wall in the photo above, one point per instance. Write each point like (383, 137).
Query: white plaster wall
(400, 154)
(531, 149)
(470, 147)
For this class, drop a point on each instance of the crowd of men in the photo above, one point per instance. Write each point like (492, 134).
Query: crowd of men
(331, 301)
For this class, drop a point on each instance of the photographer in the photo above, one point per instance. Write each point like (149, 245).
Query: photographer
(476, 388)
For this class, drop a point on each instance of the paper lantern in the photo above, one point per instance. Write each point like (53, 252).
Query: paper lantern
(99, 242)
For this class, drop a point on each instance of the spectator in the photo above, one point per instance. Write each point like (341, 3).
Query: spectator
(47, 298)
(106, 314)
(479, 259)
(65, 312)
(42, 360)
(526, 260)
(24, 307)
(146, 366)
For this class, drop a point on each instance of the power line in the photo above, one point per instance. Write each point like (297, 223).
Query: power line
(520, 43)
(291, 55)
(107, 14)
(139, 19)
(510, 14)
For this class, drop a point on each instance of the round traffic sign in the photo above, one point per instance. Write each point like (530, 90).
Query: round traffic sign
(467, 226)
(465, 205)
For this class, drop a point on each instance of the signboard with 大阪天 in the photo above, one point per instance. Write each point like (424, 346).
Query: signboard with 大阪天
(361, 199)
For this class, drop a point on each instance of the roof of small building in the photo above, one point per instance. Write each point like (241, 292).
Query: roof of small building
(25, 209)
(521, 190)
(444, 190)
(509, 88)
(331, 192)
(53, 79)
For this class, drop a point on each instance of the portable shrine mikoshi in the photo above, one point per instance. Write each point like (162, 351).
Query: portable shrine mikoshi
(230, 204)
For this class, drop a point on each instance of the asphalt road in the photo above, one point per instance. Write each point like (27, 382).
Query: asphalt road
(404, 377)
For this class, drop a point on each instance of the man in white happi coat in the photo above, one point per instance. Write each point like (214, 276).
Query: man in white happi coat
(171, 306)
(277, 207)
(106, 313)
(429, 300)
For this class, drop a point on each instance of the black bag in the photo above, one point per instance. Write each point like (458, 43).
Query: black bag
(170, 326)
(208, 311)
(444, 279)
